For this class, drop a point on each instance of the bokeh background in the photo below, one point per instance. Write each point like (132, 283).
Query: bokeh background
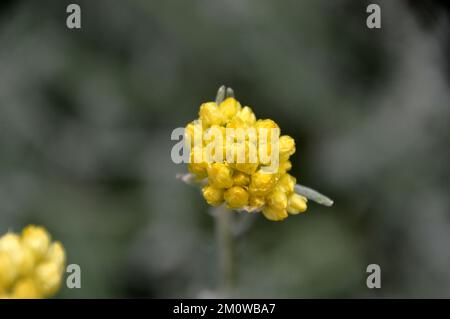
(86, 117)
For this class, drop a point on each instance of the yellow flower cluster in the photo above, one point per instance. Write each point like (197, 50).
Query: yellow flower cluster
(244, 185)
(31, 266)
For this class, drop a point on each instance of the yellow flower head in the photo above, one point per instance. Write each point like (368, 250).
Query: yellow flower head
(31, 266)
(252, 173)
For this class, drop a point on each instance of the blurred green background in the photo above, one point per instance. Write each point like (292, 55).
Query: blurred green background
(86, 117)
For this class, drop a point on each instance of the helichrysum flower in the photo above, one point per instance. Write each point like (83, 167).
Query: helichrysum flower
(31, 265)
(243, 184)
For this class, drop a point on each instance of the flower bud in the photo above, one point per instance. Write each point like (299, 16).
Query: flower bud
(220, 175)
(215, 131)
(240, 179)
(212, 195)
(287, 183)
(48, 277)
(8, 272)
(262, 183)
(274, 214)
(287, 147)
(256, 201)
(198, 166)
(246, 157)
(199, 170)
(284, 166)
(266, 123)
(210, 114)
(229, 108)
(36, 239)
(247, 116)
(264, 130)
(277, 199)
(21, 256)
(10, 243)
(26, 288)
(191, 129)
(296, 204)
(56, 254)
(236, 197)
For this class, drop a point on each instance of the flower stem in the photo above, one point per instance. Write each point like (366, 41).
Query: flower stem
(224, 231)
(223, 218)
